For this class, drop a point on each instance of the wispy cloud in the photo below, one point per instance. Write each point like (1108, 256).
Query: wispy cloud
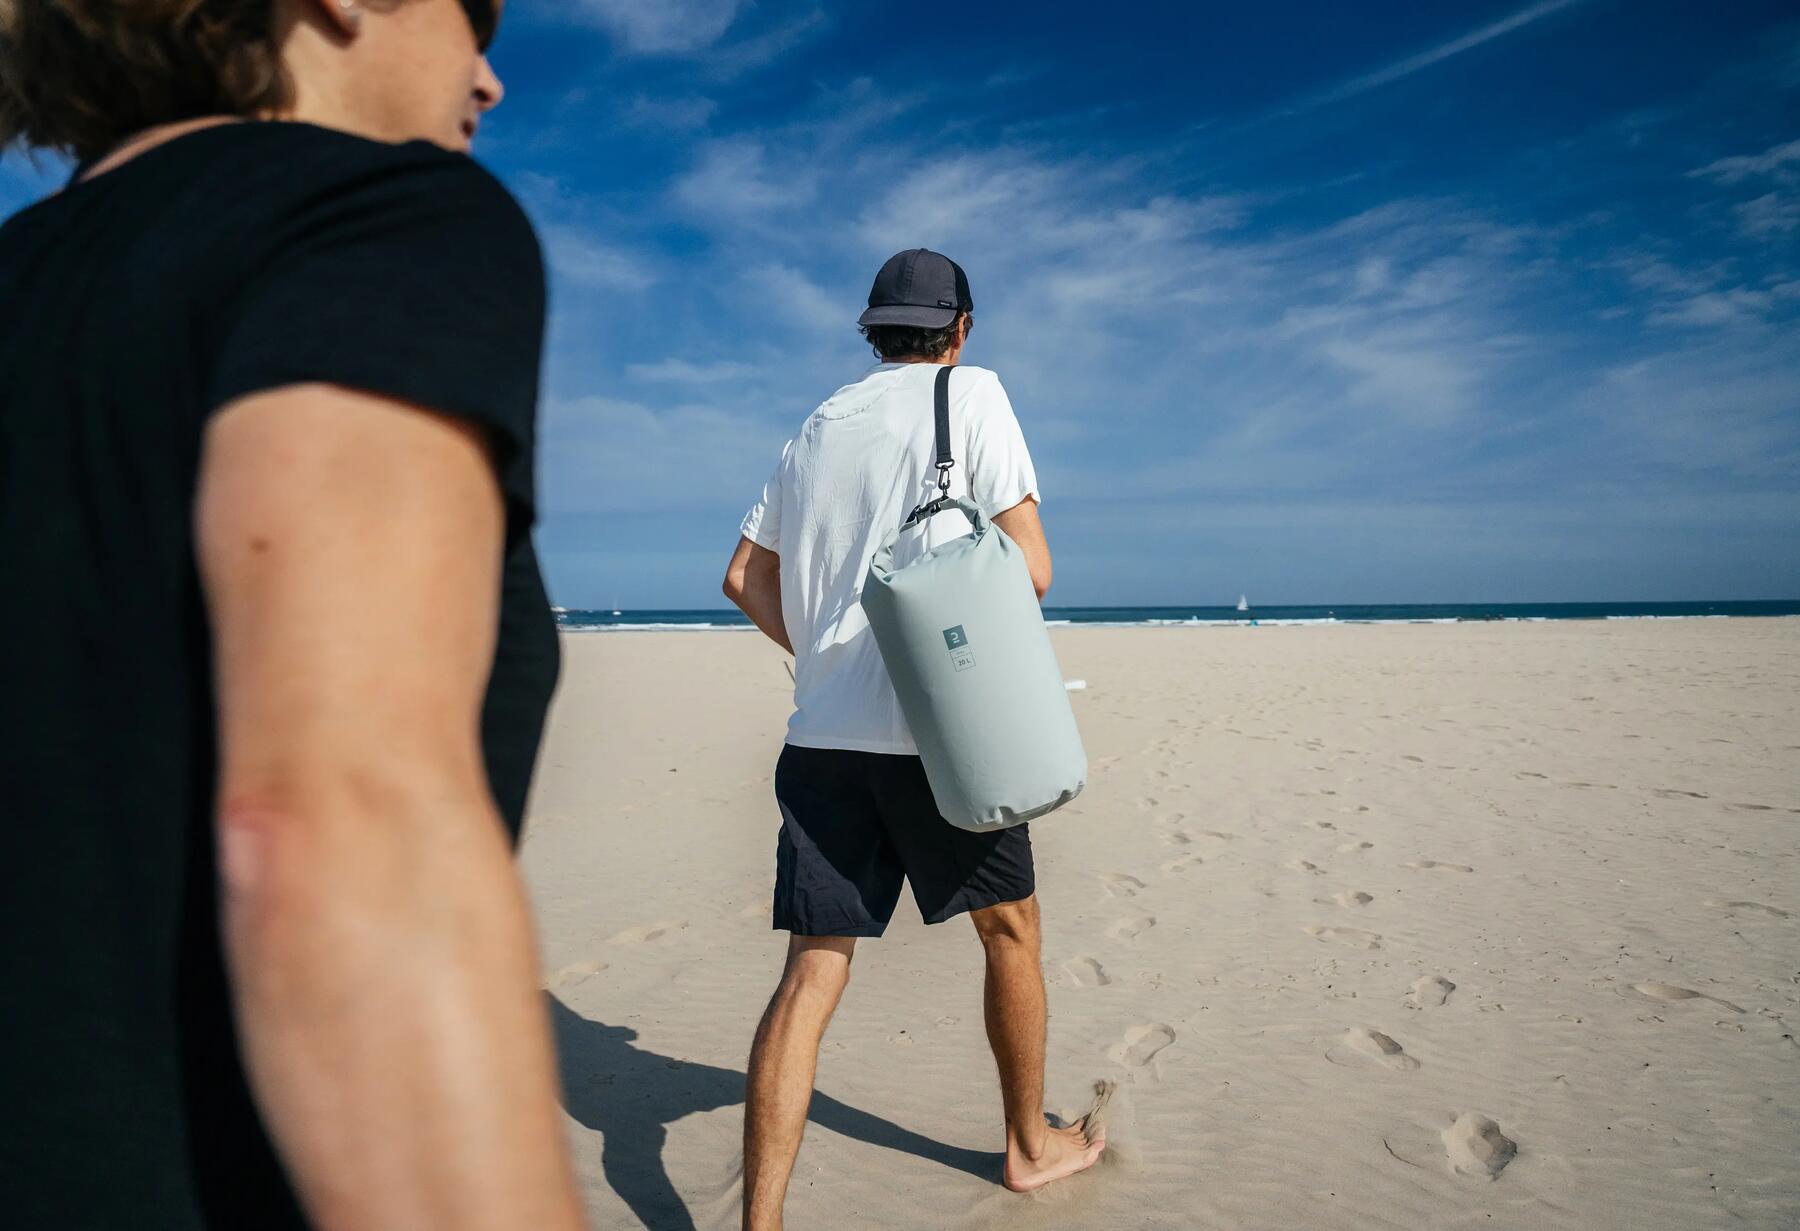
(1768, 216)
(1435, 55)
(1777, 160)
(759, 51)
(706, 36)
(684, 372)
(1730, 306)
(651, 27)
(683, 113)
(741, 179)
(1720, 405)
(586, 262)
(673, 452)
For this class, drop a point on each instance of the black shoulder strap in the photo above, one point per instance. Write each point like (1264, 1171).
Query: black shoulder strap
(941, 398)
(945, 456)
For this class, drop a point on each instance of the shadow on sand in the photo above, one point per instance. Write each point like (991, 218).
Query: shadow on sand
(630, 1096)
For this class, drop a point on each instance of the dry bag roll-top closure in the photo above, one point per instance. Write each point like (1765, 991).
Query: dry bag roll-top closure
(963, 638)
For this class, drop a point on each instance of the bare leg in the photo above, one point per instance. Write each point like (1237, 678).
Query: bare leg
(1016, 1016)
(782, 1064)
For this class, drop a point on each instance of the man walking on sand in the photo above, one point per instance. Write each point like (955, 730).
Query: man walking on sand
(857, 813)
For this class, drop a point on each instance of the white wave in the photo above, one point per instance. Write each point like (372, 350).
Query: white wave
(658, 628)
(1168, 622)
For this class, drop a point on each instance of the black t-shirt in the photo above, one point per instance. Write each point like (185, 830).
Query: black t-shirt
(230, 260)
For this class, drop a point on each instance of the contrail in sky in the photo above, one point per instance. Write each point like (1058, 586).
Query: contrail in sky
(1443, 51)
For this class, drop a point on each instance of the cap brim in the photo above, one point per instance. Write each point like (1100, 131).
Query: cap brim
(908, 314)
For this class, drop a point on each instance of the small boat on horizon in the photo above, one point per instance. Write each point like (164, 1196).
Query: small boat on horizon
(1243, 603)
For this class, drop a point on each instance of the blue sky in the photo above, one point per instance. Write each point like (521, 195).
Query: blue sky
(1320, 302)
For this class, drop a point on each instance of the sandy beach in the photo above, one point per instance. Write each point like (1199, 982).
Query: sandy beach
(1344, 910)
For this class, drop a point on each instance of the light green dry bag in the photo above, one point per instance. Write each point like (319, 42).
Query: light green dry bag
(964, 641)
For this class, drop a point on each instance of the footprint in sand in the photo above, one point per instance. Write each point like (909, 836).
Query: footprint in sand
(1352, 898)
(1355, 938)
(1119, 885)
(1668, 992)
(1429, 991)
(575, 972)
(1176, 838)
(1086, 972)
(1756, 906)
(1126, 929)
(1141, 1044)
(1220, 834)
(1433, 865)
(648, 932)
(1351, 848)
(1302, 865)
(1324, 824)
(1182, 863)
(1363, 1046)
(1477, 1147)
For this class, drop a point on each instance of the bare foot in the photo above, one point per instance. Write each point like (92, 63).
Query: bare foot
(1065, 1152)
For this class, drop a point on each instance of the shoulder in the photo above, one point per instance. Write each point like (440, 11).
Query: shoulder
(314, 177)
(980, 390)
(313, 154)
(977, 381)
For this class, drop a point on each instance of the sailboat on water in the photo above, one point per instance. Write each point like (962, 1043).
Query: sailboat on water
(1243, 603)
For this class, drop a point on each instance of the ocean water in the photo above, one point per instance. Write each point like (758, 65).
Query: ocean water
(1175, 617)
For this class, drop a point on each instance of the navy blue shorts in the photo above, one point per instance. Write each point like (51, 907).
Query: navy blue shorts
(854, 825)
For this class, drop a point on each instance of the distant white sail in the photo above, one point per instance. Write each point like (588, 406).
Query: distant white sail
(1243, 603)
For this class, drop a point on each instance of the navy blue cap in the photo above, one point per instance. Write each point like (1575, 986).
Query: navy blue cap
(918, 287)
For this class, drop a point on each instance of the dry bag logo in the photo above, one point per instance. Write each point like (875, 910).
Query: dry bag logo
(961, 656)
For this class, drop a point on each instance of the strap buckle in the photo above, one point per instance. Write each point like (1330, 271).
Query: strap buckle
(926, 511)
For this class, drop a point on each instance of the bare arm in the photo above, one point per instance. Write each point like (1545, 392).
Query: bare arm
(753, 582)
(381, 955)
(1022, 526)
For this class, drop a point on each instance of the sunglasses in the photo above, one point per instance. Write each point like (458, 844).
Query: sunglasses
(484, 19)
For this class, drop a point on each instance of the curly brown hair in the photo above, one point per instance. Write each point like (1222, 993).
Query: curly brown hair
(80, 76)
(912, 341)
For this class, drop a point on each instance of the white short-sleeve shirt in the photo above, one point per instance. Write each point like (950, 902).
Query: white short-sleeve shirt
(860, 463)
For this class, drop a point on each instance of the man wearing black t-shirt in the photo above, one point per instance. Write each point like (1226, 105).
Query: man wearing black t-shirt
(274, 647)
